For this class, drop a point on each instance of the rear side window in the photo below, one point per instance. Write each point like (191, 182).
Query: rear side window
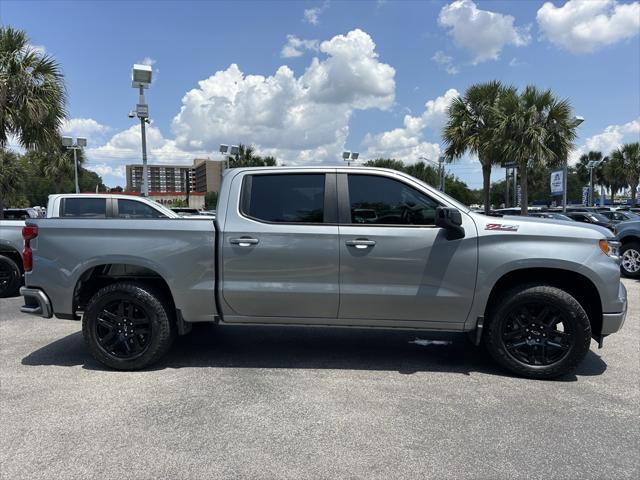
(384, 201)
(290, 198)
(84, 207)
(135, 209)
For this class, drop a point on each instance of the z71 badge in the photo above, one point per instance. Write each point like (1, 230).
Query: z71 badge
(503, 227)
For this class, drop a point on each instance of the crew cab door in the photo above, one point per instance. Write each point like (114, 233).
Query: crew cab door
(396, 266)
(280, 247)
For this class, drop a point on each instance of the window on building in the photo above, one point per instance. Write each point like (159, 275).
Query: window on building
(291, 198)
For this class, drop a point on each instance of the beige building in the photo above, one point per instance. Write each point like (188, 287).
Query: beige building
(203, 176)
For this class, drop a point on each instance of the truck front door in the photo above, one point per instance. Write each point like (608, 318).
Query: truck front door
(396, 266)
(280, 247)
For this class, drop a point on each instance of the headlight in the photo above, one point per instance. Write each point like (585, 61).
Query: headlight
(609, 247)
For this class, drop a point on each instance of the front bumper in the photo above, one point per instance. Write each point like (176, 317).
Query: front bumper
(612, 322)
(36, 302)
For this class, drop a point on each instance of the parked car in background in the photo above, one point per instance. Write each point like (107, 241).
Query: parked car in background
(331, 246)
(11, 269)
(591, 217)
(552, 215)
(20, 213)
(90, 205)
(628, 234)
(185, 211)
(619, 215)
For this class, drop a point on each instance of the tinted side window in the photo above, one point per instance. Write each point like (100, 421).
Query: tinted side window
(134, 209)
(384, 201)
(290, 198)
(84, 207)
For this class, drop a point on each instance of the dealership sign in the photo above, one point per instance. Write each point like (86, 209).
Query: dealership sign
(557, 182)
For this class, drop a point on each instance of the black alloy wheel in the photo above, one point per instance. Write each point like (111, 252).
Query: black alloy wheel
(123, 329)
(537, 334)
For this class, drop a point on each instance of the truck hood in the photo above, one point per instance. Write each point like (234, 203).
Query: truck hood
(516, 225)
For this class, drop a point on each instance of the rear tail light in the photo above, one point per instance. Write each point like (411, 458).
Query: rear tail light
(29, 232)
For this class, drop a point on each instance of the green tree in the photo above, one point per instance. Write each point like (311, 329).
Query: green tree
(210, 200)
(535, 129)
(631, 154)
(32, 92)
(471, 127)
(11, 177)
(583, 171)
(246, 157)
(614, 174)
(58, 164)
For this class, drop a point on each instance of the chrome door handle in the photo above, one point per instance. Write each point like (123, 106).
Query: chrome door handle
(244, 241)
(360, 243)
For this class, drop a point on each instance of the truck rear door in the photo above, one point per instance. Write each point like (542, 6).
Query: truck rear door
(280, 247)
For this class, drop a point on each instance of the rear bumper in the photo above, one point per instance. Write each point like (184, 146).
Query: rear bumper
(36, 302)
(612, 322)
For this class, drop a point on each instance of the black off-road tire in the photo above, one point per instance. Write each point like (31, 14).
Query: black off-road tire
(156, 307)
(629, 248)
(10, 277)
(536, 294)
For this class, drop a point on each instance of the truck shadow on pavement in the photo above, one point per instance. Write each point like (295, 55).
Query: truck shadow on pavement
(310, 348)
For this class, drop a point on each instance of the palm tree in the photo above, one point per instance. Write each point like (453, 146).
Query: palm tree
(32, 92)
(246, 157)
(614, 174)
(535, 130)
(10, 176)
(57, 163)
(631, 154)
(471, 127)
(582, 170)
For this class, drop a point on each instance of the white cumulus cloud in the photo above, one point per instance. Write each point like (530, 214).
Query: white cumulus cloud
(295, 47)
(312, 15)
(609, 139)
(481, 32)
(84, 127)
(298, 119)
(407, 143)
(585, 26)
(446, 61)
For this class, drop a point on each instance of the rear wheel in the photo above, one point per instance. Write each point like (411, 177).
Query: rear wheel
(128, 326)
(630, 259)
(10, 277)
(538, 331)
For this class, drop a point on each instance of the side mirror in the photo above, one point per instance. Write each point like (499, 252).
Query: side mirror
(451, 220)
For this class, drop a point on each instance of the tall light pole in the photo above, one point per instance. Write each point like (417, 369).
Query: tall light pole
(577, 120)
(440, 165)
(591, 165)
(350, 157)
(69, 144)
(141, 79)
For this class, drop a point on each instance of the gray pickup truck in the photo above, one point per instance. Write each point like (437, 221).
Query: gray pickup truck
(347, 247)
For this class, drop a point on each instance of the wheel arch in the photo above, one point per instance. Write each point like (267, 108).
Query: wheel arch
(577, 285)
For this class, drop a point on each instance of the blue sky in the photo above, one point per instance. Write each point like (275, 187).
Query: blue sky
(305, 80)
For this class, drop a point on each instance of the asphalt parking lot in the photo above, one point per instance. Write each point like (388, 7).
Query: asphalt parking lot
(247, 402)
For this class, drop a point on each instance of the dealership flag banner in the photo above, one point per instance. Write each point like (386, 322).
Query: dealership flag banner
(557, 182)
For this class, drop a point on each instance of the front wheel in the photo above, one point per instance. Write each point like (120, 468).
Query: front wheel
(538, 331)
(630, 259)
(127, 326)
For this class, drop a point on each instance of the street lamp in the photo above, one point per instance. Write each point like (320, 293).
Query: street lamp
(350, 157)
(141, 79)
(226, 152)
(591, 165)
(69, 144)
(440, 165)
(577, 120)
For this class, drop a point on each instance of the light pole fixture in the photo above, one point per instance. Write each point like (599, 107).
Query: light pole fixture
(591, 165)
(69, 144)
(440, 165)
(141, 76)
(577, 120)
(350, 157)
